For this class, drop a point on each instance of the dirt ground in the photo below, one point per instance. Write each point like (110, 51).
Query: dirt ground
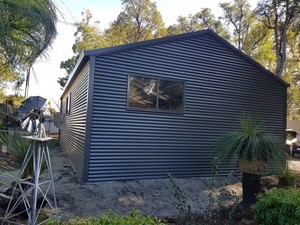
(294, 163)
(152, 197)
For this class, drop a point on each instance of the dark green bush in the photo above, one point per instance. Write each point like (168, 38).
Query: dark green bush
(287, 177)
(278, 207)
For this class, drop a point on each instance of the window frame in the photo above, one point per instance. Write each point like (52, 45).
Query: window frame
(68, 104)
(157, 89)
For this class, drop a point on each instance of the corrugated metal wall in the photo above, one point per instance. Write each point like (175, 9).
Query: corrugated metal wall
(72, 135)
(220, 86)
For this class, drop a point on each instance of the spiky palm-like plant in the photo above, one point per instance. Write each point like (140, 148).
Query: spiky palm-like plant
(252, 147)
(27, 28)
(17, 146)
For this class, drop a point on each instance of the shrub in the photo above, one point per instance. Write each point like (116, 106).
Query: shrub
(287, 177)
(278, 207)
(185, 214)
(111, 218)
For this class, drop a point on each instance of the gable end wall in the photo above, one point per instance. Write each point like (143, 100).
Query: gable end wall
(220, 87)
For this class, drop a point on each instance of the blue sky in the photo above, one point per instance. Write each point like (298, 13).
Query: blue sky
(47, 69)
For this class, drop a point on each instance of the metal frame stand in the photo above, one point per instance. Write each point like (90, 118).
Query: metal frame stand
(33, 193)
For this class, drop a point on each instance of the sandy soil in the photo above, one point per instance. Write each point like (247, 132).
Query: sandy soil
(154, 197)
(294, 163)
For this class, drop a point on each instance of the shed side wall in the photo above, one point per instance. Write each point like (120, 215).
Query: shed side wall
(72, 135)
(220, 86)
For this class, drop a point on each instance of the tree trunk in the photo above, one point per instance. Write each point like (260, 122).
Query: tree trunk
(251, 187)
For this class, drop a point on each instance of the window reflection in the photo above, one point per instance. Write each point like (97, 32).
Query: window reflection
(170, 95)
(156, 94)
(142, 92)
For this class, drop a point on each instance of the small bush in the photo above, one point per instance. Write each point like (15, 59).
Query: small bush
(278, 207)
(111, 218)
(287, 177)
(185, 215)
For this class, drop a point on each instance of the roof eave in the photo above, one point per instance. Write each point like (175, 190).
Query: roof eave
(125, 47)
(83, 58)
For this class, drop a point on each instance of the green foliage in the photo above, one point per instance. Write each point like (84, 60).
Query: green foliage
(30, 28)
(184, 25)
(199, 21)
(249, 142)
(239, 16)
(287, 177)
(260, 46)
(208, 20)
(292, 72)
(16, 146)
(111, 218)
(219, 196)
(27, 29)
(138, 21)
(278, 207)
(253, 31)
(69, 64)
(279, 16)
(185, 215)
(13, 100)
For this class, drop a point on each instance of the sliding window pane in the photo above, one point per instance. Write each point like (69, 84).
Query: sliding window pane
(170, 95)
(142, 92)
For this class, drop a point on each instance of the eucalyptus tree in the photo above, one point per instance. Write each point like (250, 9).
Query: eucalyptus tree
(140, 20)
(279, 16)
(184, 24)
(292, 71)
(239, 15)
(88, 36)
(199, 21)
(208, 20)
(27, 29)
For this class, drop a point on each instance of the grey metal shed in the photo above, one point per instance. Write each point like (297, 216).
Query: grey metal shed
(139, 110)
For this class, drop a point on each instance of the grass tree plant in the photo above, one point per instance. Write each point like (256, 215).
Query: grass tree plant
(253, 148)
(17, 146)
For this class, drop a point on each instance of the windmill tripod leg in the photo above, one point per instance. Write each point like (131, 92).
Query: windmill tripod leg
(30, 195)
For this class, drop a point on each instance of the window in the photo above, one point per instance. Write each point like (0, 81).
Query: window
(155, 94)
(68, 104)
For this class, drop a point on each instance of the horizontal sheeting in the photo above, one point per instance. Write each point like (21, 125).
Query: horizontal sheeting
(220, 86)
(72, 138)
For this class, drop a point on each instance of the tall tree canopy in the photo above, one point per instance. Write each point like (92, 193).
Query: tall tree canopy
(238, 14)
(199, 21)
(27, 28)
(279, 16)
(138, 21)
(270, 34)
(87, 36)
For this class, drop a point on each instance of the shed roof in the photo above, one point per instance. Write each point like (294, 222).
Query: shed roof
(84, 57)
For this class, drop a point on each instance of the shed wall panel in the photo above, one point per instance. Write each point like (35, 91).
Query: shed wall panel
(220, 86)
(72, 134)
